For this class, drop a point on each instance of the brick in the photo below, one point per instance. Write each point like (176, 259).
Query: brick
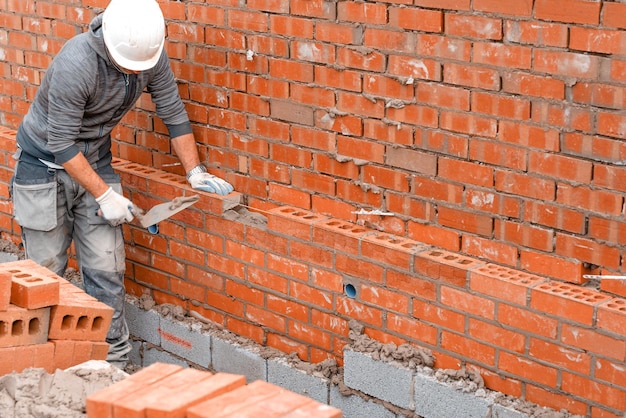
(100, 404)
(17, 359)
(390, 249)
(172, 395)
(445, 266)
(77, 319)
(234, 401)
(5, 290)
(33, 291)
(339, 235)
(294, 222)
(567, 301)
(504, 283)
(19, 326)
(175, 402)
(257, 399)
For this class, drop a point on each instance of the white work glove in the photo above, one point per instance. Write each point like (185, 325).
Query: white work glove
(115, 208)
(210, 183)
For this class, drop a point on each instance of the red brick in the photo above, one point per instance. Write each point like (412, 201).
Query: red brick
(445, 266)
(566, 301)
(588, 388)
(5, 290)
(234, 401)
(390, 249)
(100, 404)
(17, 359)
(32, 291)
(504, 283)
(256, 399)
(568, 11)
(527, 369)
(171, 396)
(77, 316)
(20, 326)
(524, 319)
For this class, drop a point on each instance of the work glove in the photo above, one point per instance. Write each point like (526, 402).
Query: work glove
(115, 208)
(210, 183)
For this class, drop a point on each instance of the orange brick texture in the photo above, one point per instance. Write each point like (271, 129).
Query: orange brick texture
(49, 323)
(283, 283)
(494, 133)
(491, 130)
(170, 391)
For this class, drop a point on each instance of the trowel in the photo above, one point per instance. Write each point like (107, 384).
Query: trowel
(162, 211)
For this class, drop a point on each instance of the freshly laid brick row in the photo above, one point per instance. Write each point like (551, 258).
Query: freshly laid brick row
(169, 391)
(47, 322)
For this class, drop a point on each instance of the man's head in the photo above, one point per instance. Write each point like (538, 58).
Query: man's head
(134, 33)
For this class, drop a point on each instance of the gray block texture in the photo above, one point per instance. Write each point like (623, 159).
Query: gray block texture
(153, 355)
(186, 340)
(281, 373)
(229, 357)
(354, 406)
(386, 381)
(143, 324)
(434, 399)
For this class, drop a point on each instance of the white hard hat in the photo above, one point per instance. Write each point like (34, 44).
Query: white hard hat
(134, 33)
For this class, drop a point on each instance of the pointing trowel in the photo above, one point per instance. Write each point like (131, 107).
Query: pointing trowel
(162, 211)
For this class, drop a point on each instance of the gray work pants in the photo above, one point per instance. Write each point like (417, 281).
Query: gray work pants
(52, 210)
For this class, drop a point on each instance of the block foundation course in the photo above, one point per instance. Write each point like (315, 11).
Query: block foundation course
(370, 383)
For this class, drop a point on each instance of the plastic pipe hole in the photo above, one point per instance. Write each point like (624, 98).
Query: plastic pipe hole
(350, 290)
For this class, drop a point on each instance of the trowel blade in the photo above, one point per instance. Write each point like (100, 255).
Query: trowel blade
(165, 210)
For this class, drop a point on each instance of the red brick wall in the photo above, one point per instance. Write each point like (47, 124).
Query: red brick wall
(488, 128)
(493, 131)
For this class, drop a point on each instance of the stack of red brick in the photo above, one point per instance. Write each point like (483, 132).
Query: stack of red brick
(170, 391)
(46, 321)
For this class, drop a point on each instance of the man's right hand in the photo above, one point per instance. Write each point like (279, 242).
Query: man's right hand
(115, 208)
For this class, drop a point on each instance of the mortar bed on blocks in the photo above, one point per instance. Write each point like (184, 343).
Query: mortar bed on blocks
(34, 393)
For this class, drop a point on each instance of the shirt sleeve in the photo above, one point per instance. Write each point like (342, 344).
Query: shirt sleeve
(164, 93)
(68, 93)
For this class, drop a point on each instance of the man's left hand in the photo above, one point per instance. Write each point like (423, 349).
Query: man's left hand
(210, 183)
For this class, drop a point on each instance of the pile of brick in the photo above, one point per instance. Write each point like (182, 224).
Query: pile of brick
(46, 321)
(168, 390)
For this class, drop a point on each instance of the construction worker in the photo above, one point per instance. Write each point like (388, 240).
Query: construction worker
(64, 188)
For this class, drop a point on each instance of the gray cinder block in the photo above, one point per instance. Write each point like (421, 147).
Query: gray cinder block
(386, 381)
(439, 400)
(229, 357)
(143, 324)
(186, 340)
(152, 355)
(354, 406)
(281, 373)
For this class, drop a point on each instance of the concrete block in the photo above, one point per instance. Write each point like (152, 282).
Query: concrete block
(439, 400)
(501, 411)
(355, 406)
(229, 357)
(386, 381)
(136, 352)
(281, 373)
(143, 324)
(153, 355)
(186, 340)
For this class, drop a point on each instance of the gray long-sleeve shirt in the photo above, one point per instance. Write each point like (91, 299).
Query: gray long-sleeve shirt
(83, 96)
